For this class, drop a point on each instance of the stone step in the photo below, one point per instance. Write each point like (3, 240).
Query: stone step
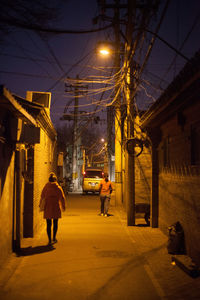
(186, 264)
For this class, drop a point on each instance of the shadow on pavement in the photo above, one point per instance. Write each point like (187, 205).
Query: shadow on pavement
(108, 215)
(142, 225)
(34, 250)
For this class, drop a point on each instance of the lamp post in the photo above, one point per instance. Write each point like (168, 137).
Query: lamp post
(118, 136)
(129, 177)
(130, 158)
(117, 121)
(107, 49)
(117, 106)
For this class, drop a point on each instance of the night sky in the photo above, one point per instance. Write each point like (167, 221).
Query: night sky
(40, 62)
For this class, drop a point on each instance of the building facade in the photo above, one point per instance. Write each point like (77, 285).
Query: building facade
(173, 125)
(27, 155)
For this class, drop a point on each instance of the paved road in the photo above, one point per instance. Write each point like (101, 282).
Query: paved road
(95, 258)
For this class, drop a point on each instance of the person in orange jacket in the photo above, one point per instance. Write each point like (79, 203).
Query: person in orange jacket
(105, 191)
(51, 202)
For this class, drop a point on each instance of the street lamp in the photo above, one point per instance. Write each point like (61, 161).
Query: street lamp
(126, 179)
(104, 52)
(107, 49)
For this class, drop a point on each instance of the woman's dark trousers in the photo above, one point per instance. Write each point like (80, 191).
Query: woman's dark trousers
(55, 228)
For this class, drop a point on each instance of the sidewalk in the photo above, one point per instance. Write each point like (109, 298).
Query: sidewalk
(96, 258)
(172, 282)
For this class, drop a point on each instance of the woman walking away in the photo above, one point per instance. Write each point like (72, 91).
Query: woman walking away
(51, 202)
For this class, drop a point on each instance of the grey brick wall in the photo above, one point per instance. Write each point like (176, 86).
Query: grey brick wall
(179, 178)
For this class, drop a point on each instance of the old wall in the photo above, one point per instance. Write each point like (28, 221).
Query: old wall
(179, 201)
(6, 207)
(12, 164)
(143, 177)
(142, 167)
(179, 179)
(44, 163)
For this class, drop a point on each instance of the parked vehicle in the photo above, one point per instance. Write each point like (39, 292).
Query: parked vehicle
(91, 180)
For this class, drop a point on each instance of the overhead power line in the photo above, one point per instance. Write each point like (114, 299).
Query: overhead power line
(34, 27)
(28, 75)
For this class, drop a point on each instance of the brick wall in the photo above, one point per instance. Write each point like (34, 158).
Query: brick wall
(179, 201)
(12, 163)
(6, 208)
(143, 177)
(44, 163)
(179, 177)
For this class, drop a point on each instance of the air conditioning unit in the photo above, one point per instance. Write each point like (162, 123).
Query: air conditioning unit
(42, 98)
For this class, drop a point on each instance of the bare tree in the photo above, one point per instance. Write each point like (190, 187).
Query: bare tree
(14, 13)
(65, 137)
(88, 138)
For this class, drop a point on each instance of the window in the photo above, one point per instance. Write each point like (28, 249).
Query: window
(93, 174)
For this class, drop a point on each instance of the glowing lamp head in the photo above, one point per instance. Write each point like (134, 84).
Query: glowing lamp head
(104, 52)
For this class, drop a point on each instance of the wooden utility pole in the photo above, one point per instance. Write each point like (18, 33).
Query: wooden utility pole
(110, 144)
(130, 158)
(76, 137)
(116, 6)
(118, 137)
(76, 140)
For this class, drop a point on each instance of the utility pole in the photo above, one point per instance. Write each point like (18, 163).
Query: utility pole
(118, 137)
(110, 144)
(76, 138)
(131, 72)
(117, 106)
(144, 9)
(130, 158)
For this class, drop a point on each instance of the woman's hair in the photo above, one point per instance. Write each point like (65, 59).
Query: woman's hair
(52, 177)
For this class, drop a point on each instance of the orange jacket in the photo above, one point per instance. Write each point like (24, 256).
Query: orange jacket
(105, 187)
(54, 199)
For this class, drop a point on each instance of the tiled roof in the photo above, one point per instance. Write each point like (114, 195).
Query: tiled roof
(39, 113)
(10, 103)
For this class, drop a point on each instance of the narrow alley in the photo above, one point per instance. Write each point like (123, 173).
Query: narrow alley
(96, 258)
